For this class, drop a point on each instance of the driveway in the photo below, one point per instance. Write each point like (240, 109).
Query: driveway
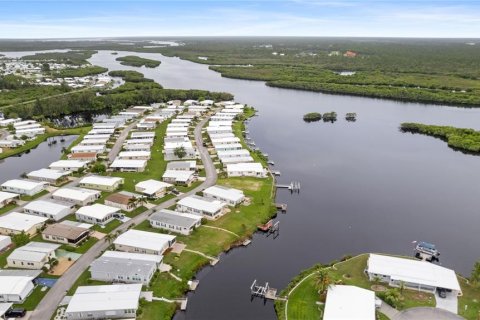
(425, 313)
(450, 303)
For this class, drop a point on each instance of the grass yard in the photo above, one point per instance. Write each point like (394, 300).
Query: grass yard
(164, 285)
(36, 196)
(3, 257)
(7, 208)
(33, 299)
(469, 303)
(109, 227)
(84, 280)
(135, 212)
(302, 303)
(157, 310)
(84, 247)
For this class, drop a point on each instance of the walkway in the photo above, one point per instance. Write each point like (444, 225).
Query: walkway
(46, 308)
(201, 254)
(221, 229)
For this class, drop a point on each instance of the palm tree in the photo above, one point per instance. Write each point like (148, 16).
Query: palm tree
(109, 237)
(322, 280)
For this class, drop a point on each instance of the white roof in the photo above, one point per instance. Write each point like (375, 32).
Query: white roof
(226, 123)
(97, 141)
(7, 196)
(225, 140)
(228, 146)
(143, 134)
(14, 284)
(47, 206)
(170, 145)
(225, 193)
(245, 166)
(152, 186)
(78, 194)
(68, 164)
(33, 251)
(20, 221)
(83, 148)
(178, 175)
(105, 298)
(227, 153)
(97, 211)
(414, 271)
(227, 160)
(120, 163)
(143, 239)
(48, 173)
(96, 136)
(203, 204)
(140, 141)
(23, 184)
(128, 154)
(133, 256)
(101, 180)
(349, 302)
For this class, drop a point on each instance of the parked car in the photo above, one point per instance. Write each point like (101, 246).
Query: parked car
(442, 293)
(16, 313)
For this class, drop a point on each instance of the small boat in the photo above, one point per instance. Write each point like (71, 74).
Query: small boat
(271, 163)
(426, 251)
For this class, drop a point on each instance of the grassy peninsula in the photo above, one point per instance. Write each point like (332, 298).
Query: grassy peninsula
(466, 140)
(307, 291)
(136, 61)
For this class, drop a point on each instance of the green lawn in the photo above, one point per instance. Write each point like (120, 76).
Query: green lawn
(469, 303)
(157, 310)
(33, 299)
(135, 212)
(7, 208)
(36, 196)
(84, 247)
(109, 227)
(164, 285)
(3, 257)
(84, 280)
(302, 304)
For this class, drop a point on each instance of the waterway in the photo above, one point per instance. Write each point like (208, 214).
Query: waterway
(366, 187)
(37, 158)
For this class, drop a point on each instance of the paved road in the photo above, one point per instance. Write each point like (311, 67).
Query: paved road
(54, 296)
(119, 143)
(425, 313)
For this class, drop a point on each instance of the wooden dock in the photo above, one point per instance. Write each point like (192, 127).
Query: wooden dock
(265, 227)
(281, 206)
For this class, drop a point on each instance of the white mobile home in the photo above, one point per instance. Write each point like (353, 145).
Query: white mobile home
(7, 197)
(68, 165)
(249, 169)
(125, 267)
(87, 149)
(134, 155)
(25, 187)
(173, 221)
(50, 209)
(33, 255)
(230, 196)
(101, 302)
(16, 223)
(143, 242)
(96, 213)
(182, 165)
(52, 176)
(78, 196)
(349, 302)
(15, 287)
(102, 183)
(209, 208)
(129, 165)
(184, 178)
(414, 274)
(152, 188)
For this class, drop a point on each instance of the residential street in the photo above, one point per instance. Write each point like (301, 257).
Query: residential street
(49, 303)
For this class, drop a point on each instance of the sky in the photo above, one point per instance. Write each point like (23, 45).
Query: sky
(346, 18)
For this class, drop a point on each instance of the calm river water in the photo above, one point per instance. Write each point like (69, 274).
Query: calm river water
(38, 158)
(366, 187)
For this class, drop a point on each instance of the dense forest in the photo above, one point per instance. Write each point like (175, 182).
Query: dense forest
(467, 140)
(79, 72)
(128, 94)
(129, 75)
(78, 57)
(136, 61)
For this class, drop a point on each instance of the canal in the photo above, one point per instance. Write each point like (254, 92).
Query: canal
(366, 187)
(37, 158)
